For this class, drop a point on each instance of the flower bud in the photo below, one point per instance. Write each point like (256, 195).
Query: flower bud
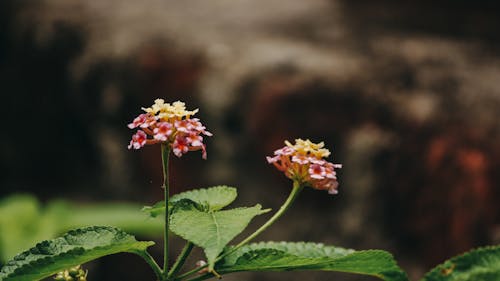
(74, 271)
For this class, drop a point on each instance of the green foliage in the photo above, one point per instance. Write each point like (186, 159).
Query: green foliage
(482, 264)
(157, 209)
(212, 198)
(209, 229)
(285, 256)
(23, 221)
(73, 248)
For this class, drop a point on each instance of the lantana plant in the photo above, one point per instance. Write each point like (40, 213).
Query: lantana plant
(201, 217)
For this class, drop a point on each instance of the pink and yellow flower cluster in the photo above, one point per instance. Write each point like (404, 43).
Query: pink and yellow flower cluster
(303, 162)
(172, 124)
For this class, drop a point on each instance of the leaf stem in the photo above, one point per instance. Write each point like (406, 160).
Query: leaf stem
(152, 263)
(291, 198)
(165, 151)
(181, 259)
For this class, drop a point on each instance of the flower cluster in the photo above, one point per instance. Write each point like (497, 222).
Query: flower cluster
(303, 162)
(169, 123)
(73, 274)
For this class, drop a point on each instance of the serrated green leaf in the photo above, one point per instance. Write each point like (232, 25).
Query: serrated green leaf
(482, 264)
(285, 256)
(211, 230)
(213, 198)
(73, 248)
(302, 249)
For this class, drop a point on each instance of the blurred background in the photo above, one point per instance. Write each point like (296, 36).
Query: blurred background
(405, 94)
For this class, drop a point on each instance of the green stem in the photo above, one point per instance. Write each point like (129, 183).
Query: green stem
(291, 198)
(165, 151)
(152, 263)
(181, 259)
(293, 195)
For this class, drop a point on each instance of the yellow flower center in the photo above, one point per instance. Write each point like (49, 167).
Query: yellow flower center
(307, 147)
(166, 111)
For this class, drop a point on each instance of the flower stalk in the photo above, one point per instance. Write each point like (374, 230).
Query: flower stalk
(181, 259)
(165, 152)
(291, 198)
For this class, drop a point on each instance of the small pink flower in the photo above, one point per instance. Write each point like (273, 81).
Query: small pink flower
(183, 126)
(315, 160)
(150, 121)
(284, 151)
(272, 159)
(333, 188)
(317, 171)
(198, 127)
(143, 120)
(300, 159)
(331, 174)
(180, 146)
(331, 185)
(138, 121)
(195, 140)
(196, 124)
(163, 131)
(207, 133)
(330, 170)
(138, 140)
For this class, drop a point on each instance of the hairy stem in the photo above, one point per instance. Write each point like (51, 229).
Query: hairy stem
(181, 259)
(165, 151)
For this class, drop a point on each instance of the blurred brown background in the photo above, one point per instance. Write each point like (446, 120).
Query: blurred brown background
(405, 93)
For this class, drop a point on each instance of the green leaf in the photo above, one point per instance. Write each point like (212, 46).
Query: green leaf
(156, 210)
(75, 247)
(211, 230)
(482, 264)
(212, 198)
(286, 256)
(215, 198)
(24, 222)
